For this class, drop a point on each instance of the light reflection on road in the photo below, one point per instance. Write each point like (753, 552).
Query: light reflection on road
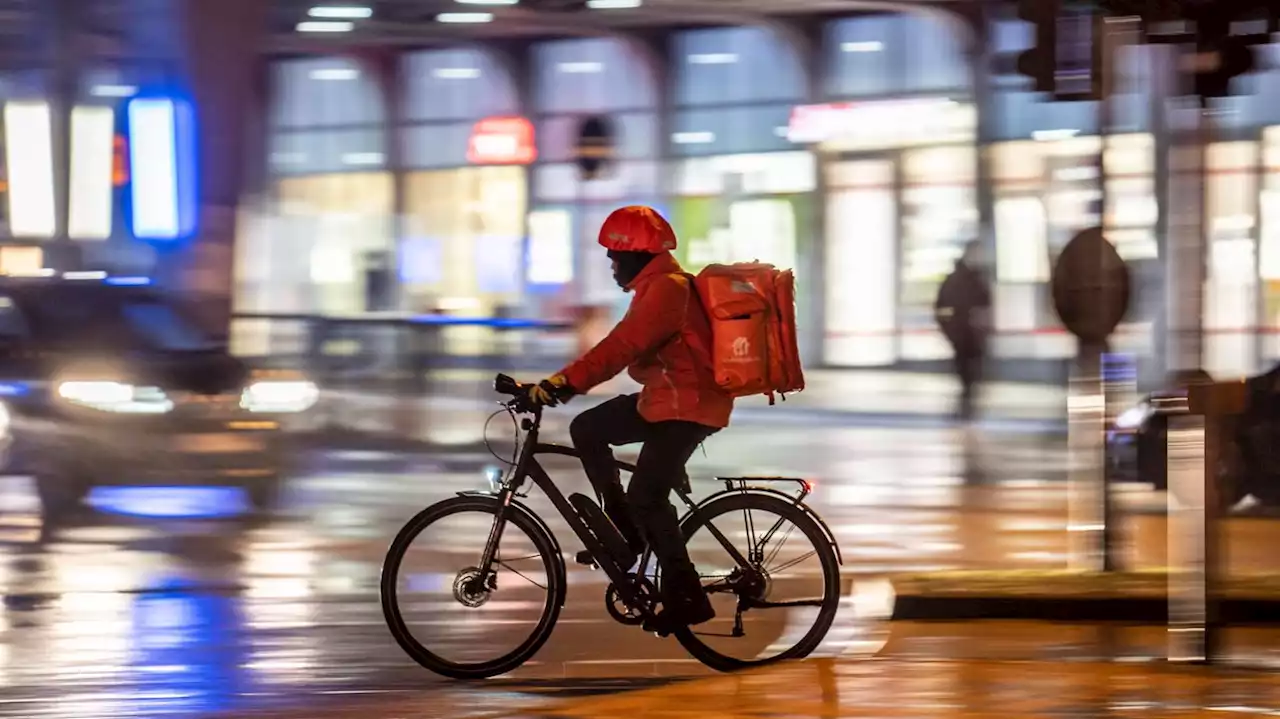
(126, 616)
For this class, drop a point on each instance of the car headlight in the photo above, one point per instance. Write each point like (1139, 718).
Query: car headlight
(117, 397)
(280, 397)
(1134, 417)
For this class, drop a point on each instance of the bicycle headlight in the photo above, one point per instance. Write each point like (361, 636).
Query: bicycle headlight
(280, 396)
(117, 397)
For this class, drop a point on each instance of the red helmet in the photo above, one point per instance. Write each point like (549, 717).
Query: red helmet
(637, 228)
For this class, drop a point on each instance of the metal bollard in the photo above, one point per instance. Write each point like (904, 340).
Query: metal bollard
(1090, 525)
(1195, 509)
(1188, 588)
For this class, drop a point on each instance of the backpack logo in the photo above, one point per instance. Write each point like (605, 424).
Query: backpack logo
(741, 347)
(619, 238)
(742, 287)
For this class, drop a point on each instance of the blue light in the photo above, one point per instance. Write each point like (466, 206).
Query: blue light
(181, 662)
(14, 389)
(507, 323)
(170, 502)
(162, 167)
(128, 281)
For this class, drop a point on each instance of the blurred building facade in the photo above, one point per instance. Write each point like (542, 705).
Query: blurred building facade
(866, 156)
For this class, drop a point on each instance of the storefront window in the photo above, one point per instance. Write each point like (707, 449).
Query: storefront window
(740, 65)
(1049, 180)
(939, 216)
(313, 254)
(462, 233)
(576, 80)
(464, 242)
(1231, 305)
(1269, 246)
(895, 54)
(860, 297)
(325, 244)
(1046, 191)
(901, 200)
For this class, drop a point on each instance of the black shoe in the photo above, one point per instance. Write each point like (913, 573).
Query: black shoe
(685, 606)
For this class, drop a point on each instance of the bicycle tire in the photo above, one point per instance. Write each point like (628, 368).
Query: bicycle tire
(553, 563)
(688, 637)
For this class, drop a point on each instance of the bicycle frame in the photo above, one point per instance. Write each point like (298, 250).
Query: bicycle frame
(528, 467)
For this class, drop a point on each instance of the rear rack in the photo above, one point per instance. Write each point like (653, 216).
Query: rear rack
(741, 483)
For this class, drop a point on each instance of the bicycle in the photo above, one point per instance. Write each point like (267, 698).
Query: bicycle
(631, 595)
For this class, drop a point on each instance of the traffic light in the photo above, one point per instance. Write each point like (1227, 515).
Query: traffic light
(1222, 56)
(1217, 64)
(1039, 62)
(1066, 60)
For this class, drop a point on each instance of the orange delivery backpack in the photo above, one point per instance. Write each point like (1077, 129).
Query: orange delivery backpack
(752, 310)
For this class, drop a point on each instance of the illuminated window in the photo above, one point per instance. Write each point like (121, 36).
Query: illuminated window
(92, 160)
(29, 147)
(21, 260)
(161, 154)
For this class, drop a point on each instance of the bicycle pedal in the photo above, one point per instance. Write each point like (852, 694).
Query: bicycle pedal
(585, 559)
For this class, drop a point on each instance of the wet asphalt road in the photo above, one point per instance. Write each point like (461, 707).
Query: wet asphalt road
(185, 615)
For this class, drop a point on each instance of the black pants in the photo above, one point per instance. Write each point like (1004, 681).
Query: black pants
(969, 371)
(644, 510)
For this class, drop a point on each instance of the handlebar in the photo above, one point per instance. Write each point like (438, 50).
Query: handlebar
(519, 393)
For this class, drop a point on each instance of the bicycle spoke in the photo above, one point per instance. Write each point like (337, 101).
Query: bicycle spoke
(521, 574)
(777, 549)
(769, 534)
(795, 561)
(518, 559)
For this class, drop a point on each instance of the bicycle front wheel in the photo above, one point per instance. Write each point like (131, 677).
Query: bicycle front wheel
(458, 619)
(779, 603)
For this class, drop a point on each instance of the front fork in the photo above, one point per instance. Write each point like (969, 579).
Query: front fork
(495, 535)
(505, 496)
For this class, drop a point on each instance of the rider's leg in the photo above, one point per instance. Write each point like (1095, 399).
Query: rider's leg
(594, 433)
(660, 466)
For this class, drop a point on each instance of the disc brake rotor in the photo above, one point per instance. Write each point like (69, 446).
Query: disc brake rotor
(471, 590)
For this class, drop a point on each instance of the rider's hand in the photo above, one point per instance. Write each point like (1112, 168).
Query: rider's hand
(551, 391)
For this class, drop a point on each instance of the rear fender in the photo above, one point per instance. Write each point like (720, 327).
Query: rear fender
(808, 511)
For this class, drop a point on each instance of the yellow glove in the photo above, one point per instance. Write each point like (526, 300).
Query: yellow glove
(551, 391)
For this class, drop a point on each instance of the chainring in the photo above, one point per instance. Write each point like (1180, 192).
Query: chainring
(628, 615)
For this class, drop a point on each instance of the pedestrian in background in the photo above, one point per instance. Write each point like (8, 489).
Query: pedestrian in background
(963, 311)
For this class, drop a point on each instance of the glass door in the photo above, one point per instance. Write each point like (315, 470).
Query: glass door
(939, 217)
(860, 280)
(1231, 294)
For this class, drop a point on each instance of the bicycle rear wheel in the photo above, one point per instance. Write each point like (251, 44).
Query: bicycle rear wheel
(465, 623)
(778, 605)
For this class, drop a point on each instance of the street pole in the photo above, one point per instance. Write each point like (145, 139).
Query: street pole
(1090, 520)
(1194, 440)
(1185, 276)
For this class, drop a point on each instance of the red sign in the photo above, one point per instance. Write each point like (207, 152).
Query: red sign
(502, 141)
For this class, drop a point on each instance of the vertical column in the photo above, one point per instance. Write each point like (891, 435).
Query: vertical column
(385, 66)
(1185, 273)
(58, 252)
(221, 64)
(980, 63)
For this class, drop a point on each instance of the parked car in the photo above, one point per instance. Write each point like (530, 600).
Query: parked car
(1249, 460)
(110, 382)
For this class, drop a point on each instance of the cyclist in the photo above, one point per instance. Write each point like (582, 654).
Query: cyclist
(664, 342)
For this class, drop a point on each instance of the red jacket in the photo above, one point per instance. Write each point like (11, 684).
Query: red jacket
(664, 342)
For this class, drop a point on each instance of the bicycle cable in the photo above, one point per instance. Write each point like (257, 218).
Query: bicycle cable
(515, 452)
